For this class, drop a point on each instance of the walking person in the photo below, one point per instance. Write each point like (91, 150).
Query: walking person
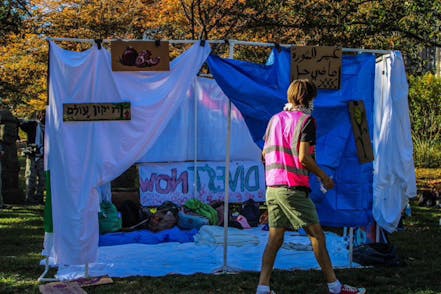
(34, 173)
(10, 192)
(288, 155)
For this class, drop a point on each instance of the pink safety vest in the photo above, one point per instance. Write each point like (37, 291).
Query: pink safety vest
(281, 149)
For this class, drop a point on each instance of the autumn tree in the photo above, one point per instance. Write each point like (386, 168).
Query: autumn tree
(409, 26)
(24, 55)
(23, 73)
(12, 14)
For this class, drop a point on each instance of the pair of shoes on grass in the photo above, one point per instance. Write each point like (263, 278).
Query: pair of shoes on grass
(261, 289)
(346, 289)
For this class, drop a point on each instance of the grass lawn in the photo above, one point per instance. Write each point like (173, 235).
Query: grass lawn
(21, 239)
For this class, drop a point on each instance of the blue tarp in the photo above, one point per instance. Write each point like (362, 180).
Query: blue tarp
(259, 92)
(174, 234)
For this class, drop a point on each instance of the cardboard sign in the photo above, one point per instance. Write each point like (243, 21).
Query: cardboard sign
(96, 111)
(319, 64)
(361, 131)
(140, 55)
(74, 286)
(61, 288)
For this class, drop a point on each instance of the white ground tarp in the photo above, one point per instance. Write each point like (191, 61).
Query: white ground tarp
(205, 256)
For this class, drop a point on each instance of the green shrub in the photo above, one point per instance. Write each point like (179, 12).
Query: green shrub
(427, 154)
(425, 117)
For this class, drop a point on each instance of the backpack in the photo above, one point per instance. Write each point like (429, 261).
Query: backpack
(133, 213)
(250, 210)
(203, 209)
(376, 254)
(169, 206)
(108, 218)
(162, 220)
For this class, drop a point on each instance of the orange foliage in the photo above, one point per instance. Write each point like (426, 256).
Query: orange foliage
(347, 23)
(23, 73)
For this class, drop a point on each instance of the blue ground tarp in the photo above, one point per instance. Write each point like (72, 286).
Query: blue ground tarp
(259, 91)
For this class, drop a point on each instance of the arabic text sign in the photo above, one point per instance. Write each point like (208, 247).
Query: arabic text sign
(320, 64)
(96, 111)
(176, 182)
(360, 128)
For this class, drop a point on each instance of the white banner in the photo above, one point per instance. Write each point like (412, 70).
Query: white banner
(176, 182)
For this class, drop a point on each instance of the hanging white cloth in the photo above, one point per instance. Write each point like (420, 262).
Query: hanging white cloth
(177, 141)
(394, 172)
(85, 155)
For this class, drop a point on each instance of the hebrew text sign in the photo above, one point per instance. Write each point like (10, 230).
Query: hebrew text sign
(319, 64)
(96, 111)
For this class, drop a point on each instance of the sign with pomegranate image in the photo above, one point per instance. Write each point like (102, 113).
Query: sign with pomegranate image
(140, 55)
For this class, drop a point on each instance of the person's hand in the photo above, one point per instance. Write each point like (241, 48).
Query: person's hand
(327, 182)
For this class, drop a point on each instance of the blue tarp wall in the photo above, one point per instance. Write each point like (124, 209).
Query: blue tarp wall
(259, 92)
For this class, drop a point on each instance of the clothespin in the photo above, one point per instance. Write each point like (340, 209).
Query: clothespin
(202, 43)
(277, 46)
(158, 43)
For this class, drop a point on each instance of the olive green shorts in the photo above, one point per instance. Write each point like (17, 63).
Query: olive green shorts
(290, 208)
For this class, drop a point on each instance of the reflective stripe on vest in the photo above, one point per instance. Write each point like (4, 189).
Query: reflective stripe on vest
(281, 149)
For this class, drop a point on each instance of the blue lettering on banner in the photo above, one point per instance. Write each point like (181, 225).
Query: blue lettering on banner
(252, 170)
(221, 179)
(235, 179)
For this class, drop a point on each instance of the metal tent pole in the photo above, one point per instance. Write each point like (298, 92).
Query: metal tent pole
(225, 267)
(235, 42)
(351, 245)
(42, 278)
(196, 192)
(86, 271)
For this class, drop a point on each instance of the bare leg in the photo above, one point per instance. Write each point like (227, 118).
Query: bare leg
(275, 241)
(318, 241)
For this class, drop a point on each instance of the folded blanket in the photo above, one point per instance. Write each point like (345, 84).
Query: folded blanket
(214, 235)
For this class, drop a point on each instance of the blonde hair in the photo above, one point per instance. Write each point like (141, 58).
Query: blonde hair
(301, 92)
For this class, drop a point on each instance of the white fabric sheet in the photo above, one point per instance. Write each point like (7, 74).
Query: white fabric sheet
(190, 258)
(177, 141)
(85, 155)
(394, 172)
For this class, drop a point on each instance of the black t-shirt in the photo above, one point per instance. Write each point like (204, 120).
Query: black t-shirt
(30, 128)
(308, 132)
